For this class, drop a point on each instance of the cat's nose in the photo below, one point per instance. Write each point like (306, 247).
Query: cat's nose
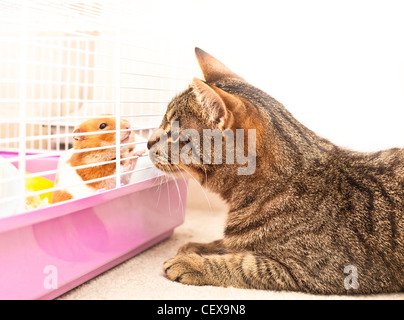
(152, 141)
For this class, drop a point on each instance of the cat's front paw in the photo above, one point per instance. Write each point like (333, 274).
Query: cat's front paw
(192, 247)
(185, 268)
(215, 247)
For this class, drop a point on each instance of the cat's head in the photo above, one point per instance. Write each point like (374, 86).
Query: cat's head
(212, 112)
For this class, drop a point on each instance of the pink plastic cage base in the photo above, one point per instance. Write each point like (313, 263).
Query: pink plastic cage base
(47, 252)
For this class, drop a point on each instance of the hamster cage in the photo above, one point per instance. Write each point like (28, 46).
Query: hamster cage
(61, 63)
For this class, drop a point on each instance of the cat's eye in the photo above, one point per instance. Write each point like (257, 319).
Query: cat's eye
(103, 125)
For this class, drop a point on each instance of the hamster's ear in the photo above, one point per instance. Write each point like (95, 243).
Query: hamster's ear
(217, 103)
(213, 69)
(78, 130)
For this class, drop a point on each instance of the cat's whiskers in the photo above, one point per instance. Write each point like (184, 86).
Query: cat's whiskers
(176, 184)
(159, 189)
(168, 189)
(183, 177)
(206, 196)
(160, 183)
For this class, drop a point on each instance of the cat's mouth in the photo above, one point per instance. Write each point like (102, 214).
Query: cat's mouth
(169, 168)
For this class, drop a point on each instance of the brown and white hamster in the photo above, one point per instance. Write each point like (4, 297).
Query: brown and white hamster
(98, 139)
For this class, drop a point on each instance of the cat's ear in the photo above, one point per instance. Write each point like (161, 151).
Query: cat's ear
(213, 69)
(217, 103)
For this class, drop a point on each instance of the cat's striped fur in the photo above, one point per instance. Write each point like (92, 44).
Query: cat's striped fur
(309, 210)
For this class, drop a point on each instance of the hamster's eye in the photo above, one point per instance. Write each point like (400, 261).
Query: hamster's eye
(103, 125)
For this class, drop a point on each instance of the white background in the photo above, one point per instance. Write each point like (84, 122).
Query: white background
(338, 66)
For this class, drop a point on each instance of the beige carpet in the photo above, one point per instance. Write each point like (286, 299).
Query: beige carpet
(142, 277)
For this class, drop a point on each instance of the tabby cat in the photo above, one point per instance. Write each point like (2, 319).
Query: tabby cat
(312, 217)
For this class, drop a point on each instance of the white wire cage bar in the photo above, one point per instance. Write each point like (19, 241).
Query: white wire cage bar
(65, 62)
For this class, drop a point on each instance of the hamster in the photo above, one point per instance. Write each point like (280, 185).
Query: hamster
(98, 139)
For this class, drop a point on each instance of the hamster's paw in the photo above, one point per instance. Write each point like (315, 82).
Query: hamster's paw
(139, 152)
(128, 165)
